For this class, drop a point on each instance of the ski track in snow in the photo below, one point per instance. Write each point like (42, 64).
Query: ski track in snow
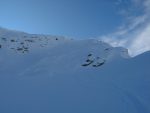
(140, 107)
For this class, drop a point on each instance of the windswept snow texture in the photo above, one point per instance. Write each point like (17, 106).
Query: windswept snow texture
(49, 74)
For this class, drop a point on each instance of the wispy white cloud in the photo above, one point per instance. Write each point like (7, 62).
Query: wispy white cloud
(141, 41)
(135, 33)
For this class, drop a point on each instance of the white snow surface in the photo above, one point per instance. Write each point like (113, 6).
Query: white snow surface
(52, 74)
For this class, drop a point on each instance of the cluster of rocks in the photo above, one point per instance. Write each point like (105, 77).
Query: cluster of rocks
(94, 61)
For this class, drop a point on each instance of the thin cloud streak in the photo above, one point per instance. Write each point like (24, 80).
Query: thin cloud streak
(134, 35)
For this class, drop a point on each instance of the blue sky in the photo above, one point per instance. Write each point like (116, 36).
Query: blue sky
(119, 22)
(74, 18)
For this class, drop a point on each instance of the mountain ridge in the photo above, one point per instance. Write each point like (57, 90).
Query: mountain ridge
(41, 73)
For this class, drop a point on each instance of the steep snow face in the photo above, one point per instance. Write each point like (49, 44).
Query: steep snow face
(49, 74)
(50, 54)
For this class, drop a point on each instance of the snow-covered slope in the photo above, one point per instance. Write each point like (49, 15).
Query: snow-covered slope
(50, 74)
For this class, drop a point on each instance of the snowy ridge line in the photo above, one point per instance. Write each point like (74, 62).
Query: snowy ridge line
(52, 74)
